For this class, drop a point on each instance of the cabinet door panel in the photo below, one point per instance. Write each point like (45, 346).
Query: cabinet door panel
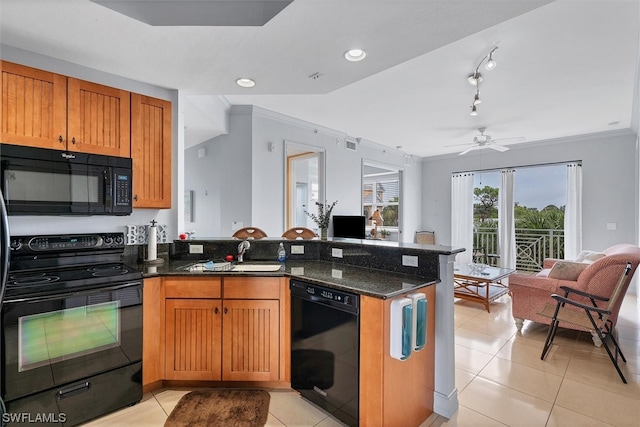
(33, 107)
(193, 339)
(151, 151)
(98, 119)
(251, 340)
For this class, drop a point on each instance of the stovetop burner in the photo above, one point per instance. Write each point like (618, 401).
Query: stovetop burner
(108, 270)
(31, 278)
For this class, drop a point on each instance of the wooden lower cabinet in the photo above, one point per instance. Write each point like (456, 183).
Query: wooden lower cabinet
(194, 342)
(251, 340)
(153, 332)
(229, 329)
(394, 392)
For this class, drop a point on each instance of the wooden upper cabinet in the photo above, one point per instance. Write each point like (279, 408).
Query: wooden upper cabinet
(151, 151)
(33, 107)
(98, 119)
(48, 110)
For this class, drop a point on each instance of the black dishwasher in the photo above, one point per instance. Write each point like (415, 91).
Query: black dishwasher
(325, 348)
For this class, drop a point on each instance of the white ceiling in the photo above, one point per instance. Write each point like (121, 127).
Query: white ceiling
(565, 67)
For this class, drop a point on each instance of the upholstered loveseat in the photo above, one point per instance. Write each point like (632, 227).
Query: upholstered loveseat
(597, 274)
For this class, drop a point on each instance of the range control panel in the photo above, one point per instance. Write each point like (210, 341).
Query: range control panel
(66, 243)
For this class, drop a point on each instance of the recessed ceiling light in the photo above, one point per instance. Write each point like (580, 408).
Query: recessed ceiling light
(243, 82)
(355, 55)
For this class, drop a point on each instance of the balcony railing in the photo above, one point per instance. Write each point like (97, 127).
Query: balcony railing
(533, 246)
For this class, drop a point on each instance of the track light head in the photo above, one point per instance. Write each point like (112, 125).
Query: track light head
(474, 112)
(474, 78)
(476, 99)
(491, 64)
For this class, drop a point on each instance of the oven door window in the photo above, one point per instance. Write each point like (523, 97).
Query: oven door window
(56, 340)
(65, 334)
(53, 187)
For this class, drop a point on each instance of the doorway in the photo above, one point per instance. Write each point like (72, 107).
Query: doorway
(304, 183)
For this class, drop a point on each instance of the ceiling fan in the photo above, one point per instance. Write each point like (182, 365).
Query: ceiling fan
(485, 141)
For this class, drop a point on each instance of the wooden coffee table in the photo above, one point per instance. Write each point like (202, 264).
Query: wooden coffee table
(482, 283)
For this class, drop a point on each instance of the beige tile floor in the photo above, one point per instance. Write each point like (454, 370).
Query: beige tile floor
(500, 378)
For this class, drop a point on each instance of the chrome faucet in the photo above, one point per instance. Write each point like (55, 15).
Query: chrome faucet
(242, 248)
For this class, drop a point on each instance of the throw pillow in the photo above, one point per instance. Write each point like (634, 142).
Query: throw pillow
(567, 270)
(589, 256)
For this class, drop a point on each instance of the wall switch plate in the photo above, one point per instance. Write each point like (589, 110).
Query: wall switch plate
(297, 271)
(196, 249)
(409, 260)
(336, 252)
(336, 274)
(297, 249)
(612, 225)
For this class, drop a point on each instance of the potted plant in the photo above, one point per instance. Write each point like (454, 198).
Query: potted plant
(384, 233)
(323, 217)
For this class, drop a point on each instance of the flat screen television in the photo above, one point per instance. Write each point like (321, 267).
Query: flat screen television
(351, 226)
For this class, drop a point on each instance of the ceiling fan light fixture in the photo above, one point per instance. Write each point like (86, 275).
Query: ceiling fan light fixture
(355, 55)
(245, 82)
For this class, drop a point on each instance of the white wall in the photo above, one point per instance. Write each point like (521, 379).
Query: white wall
(609, 184)
(221, 181)
(266, 170)
(58, 224)
(343, 170)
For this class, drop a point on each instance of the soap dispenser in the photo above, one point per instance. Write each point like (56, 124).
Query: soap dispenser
(282, 254)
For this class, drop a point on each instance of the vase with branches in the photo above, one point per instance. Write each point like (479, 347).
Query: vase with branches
(323, 217)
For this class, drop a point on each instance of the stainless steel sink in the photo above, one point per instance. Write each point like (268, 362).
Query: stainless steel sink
(256, 267)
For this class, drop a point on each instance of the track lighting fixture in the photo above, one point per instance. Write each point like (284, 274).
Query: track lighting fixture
(475, 78)
(491, 64)
(476, 98)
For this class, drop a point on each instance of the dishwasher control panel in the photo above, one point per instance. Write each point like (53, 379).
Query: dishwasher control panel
(333, 297)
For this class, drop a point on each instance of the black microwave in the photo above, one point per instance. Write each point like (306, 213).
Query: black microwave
(39, 181)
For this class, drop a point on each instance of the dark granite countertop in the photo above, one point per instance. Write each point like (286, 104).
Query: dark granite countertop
(363, 281)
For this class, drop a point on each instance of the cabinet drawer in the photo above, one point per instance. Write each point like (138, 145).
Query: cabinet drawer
(252, 287)
(192, 287)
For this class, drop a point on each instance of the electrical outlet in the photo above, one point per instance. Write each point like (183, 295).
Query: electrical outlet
(196, 249)
(336, 274)
(297, 249)
(409, 260)
(612, 225)
(336, 252)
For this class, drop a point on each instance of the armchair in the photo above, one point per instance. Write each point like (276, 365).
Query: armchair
(530, 293)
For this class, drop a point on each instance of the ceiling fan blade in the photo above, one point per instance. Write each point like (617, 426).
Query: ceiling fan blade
(507, 140)
(459, 145)
(475, 147)
(499, 148)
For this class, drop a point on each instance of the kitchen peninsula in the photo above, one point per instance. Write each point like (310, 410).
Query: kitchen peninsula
(389, 389)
